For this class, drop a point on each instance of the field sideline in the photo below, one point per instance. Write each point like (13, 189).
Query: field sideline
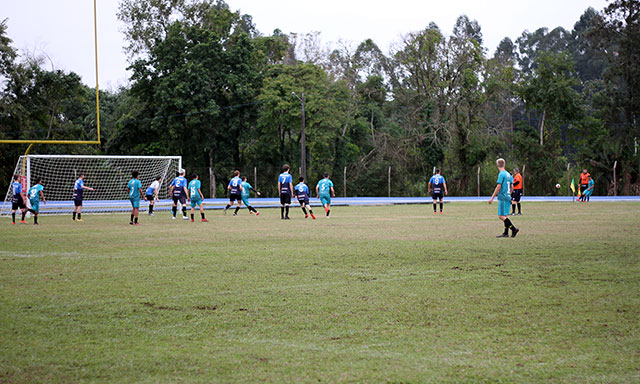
(374, 294)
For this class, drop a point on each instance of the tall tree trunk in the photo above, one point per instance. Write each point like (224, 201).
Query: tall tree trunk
(544, 112)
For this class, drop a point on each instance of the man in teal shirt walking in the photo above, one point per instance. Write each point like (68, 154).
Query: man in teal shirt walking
(134, 187)
(503, 192)
(246, 192)
(324, 190)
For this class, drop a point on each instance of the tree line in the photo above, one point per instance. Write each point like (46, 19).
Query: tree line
(207, 85)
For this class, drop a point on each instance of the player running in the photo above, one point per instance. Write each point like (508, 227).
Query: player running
(301, 191)
(503, 193)
(17, 200)
(285, 188)
(179, 193)
(517, 192)
(437, 184)
(78, 188)
(589, 191)
(196, 197)
(235, 192)
(152, 193)
(134, 187)
(246, 192)
(324, 190)
(35, 194)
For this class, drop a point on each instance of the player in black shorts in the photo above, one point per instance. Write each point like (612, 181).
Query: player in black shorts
(235, 192)
(437, 184)
(78, 189)
(180, 194)
(285, 189)
(18, 199)
(301, 191)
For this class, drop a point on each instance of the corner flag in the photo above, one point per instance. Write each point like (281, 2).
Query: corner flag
(573, 186)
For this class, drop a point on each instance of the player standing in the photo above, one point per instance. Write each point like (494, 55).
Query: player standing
(589, 191)
(503, 193)
(285, 188)
(246, 192)
(517, 192)
(301, 191)
(179, 193)
(152, 194)
(235, 192)
(584, 183)
(17, 200)
(437, 184)
(134, 187)
(324, 190)
(78, 188)
(196, 197)
(35, 194)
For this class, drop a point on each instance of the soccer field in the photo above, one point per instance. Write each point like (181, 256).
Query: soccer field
(374, 294)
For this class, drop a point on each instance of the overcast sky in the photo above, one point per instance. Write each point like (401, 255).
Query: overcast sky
(64, 29)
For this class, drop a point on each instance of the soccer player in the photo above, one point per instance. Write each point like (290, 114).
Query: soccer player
(17, 200)
(196, 197)
(437, 184)
(324, 190)
(517, 192)
(584, 183)
(589, 191)
(134, 187)
(301, 191)
(35, 194)
(235, 192)
(152, 193)
(285, 188)
(246, 192)
(78, 188)
(179, 193)
(502, 191)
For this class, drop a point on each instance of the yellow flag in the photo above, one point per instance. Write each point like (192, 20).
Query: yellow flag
(573, 187)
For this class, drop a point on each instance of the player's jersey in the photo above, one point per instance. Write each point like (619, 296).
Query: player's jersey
(179, 183)
(246, 189)
(134, 187)
(194, 186)
(16, 190)
(517, 181)
(437, 183)
(504, 179)
(151, 190)
(324, 187)
(584, 178)
(77, 189)
(301, 191)
(235, 185)
(34, 192)
(285, 179)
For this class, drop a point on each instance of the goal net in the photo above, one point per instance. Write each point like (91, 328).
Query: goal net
(107, 174)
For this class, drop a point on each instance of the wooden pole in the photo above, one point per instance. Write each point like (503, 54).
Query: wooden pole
(615, 181)
(523, 168)
(569, 192)
(255, 178)
(478, 181)
(212, 178)
(344, 183)
(389, 182)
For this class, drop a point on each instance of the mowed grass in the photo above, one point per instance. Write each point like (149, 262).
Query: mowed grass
(374, 294)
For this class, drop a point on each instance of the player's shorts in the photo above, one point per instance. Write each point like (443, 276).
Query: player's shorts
(18, 203)
(149, 198)
(285, 198)
(583, 187)
(196, 203)
(304, 200)
(77, 202)
(324, 199)
(504, 208)
(438, 195)
(181, 199)
(235, 197)
(35, 205)
(245, 200)
(516, 194)
(135, 203)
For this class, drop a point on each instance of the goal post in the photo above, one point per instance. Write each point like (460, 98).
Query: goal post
(107, 174)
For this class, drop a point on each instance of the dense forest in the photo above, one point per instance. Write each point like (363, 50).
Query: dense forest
(208, 86)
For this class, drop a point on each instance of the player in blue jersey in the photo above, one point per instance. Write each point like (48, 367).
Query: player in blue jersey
(179, 193)
(152, 194)
(134, 188)
(78, 188)
(235, 192)
(503, 192)
(324, 191)
(35, 194)
(196, 197)
(18, 199)
(438, 185)
(246, 192)
(285, 190)
(301, 191)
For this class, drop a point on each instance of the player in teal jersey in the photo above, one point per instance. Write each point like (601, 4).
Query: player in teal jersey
(134, 187)
(503, 192)
(246, 192)
(324, 190)
(196, 197)
(35, 194)
(589, 191)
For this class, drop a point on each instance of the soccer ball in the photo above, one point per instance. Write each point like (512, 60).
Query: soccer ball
(558, 186)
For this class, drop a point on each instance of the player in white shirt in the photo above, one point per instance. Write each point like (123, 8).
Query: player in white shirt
(152, 193)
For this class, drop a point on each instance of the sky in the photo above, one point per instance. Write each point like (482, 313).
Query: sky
(63, 30)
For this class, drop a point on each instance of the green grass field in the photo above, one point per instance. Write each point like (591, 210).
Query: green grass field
(375, 294)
